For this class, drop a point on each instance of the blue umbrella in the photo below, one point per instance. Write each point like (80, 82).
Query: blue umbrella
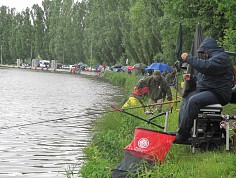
(159, 66)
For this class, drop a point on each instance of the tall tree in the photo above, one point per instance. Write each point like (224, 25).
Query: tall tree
(37, 15)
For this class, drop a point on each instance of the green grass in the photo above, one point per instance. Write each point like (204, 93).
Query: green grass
(114, 131)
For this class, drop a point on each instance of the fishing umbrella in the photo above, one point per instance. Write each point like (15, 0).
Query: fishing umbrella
(127, 68)
(159, 66)
(81, 66)
(197, 40)
(140, 66)
(179, 43)
(130, 67)
(178, 52)
(117, 66)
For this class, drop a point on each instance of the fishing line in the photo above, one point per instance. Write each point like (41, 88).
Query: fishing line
(40, 122)
(52, 120)
(65, 118)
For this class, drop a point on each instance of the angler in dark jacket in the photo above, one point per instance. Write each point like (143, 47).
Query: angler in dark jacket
(158, 88)
(213, 86)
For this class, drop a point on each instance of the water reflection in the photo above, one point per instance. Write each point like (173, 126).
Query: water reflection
(46, 121)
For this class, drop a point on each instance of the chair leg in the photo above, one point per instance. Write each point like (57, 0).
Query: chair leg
(227, 136)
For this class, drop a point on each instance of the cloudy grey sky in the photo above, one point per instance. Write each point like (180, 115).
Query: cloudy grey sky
(20, 4)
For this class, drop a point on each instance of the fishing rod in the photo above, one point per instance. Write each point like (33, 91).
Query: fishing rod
(160, 114)
(65, 118)
(40, 122)
(52, 120)
(155, 104)
(143, 106)
(121, 110)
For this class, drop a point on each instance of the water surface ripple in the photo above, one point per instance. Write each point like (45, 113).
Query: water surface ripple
(46, 121)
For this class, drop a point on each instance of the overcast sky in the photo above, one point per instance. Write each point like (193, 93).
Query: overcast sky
(20, 4)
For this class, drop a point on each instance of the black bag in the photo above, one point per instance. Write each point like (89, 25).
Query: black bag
(129, 166)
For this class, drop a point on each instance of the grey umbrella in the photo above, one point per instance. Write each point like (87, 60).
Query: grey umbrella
(179, 43)
(140, 66)
(178, 52)
(117, 66)
(197, 40)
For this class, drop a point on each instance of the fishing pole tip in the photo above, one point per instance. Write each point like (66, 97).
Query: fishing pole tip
(117, 109)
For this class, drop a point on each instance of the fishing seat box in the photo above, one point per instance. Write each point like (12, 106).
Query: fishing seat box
(207, 133)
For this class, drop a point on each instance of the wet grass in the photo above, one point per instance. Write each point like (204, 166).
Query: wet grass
(114, 131)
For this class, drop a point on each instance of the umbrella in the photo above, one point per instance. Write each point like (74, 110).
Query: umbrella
(84, 65)
(117, 66)
(126, 68)
(179, 43)
(178, 52)
(140, 66)
(159, 66)
(197, 40)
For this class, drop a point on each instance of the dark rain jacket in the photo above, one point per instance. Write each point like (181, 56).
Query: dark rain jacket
(157, 89)
(215, 73)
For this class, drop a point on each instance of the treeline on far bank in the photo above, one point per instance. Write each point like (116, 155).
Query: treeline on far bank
(109, 32)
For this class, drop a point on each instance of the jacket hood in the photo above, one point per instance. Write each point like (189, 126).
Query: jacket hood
(210, 45)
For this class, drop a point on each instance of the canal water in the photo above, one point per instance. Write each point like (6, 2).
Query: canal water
(45, 121)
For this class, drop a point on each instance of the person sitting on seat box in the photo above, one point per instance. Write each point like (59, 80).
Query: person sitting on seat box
(213, 84)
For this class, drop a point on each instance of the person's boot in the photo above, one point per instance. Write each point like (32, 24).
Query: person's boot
(181, 138)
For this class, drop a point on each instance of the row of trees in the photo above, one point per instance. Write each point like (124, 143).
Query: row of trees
(109, 32)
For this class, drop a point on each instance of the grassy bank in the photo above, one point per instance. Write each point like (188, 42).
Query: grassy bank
(114, 131)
